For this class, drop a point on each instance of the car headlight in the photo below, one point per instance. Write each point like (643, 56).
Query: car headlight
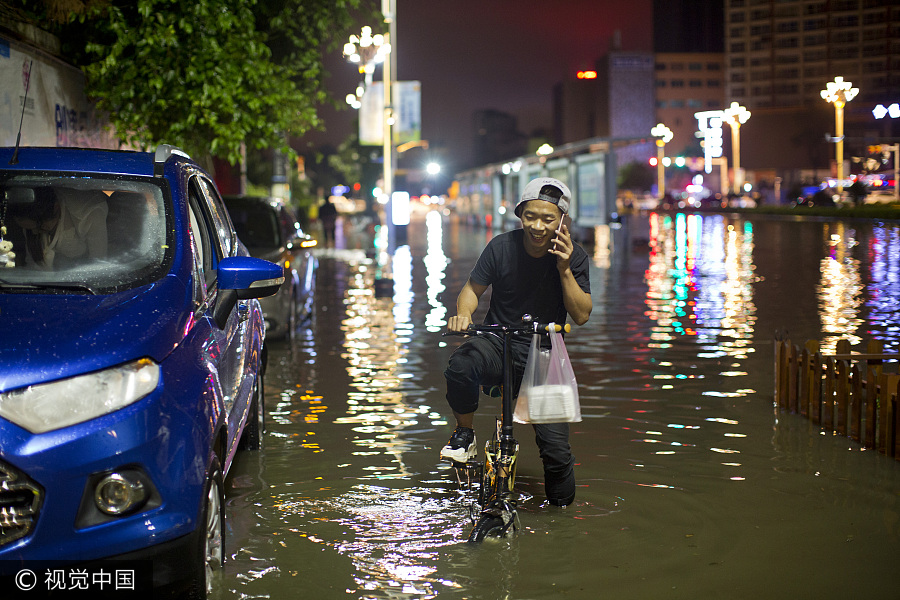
(49, 406)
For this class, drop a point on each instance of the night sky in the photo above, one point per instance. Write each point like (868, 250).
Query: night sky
(492, 54)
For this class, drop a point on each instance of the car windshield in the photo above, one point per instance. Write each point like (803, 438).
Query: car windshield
(255, 222)
(78, 234)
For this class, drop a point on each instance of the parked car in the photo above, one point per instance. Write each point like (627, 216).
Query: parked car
(270, 230)
(131, 360)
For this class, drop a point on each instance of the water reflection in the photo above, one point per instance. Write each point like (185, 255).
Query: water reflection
(373, 340)
(859, 288)
(840, 290)
(435, 264)
(678, 436)
(884, 290)
(393, 537)
(390, 535)
(699, 283)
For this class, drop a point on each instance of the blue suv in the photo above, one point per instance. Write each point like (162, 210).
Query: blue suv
(131, 360)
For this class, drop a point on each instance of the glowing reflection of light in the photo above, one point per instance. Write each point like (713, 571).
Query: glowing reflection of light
(403, 295)
(699, 284)
(884, 285)
(396, 536)
(720, 420)
(602, 246)
(840, 289)
(373, 327)
(435, 265)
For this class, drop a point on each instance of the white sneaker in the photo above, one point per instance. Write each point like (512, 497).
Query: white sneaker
(461, 447)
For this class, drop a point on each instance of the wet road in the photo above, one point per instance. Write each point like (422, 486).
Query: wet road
(690, 484)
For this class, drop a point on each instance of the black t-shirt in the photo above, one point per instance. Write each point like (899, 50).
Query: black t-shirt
(521, 284)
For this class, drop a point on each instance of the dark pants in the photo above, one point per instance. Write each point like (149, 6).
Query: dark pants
(479, 362)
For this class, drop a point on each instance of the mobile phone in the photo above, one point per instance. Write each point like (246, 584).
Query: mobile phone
(561, 221)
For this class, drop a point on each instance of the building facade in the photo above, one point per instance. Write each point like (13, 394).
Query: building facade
(687, 83)
(780, 55)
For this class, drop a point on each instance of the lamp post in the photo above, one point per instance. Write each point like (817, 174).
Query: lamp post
(839, 93)
(663, 136)
(365, 50)
(736, 115)
(368, 50)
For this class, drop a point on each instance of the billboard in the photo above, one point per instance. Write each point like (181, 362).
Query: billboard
(56, 110)
(407, 101)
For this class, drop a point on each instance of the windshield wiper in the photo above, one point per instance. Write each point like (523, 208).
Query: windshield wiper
(48, 285)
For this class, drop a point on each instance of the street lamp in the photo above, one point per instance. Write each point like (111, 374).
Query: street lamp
(881, 111)
(839, 93)
(664, 135)
(736, 115)
(892, 111)
(366, 51)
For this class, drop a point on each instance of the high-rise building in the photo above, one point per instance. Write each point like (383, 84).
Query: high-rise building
(615, 100)
(687, 83)
(780, 55)
(688, 40)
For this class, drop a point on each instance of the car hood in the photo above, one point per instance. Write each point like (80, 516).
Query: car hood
(52, 336)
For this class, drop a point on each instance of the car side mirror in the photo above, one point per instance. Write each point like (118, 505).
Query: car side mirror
(242, 278)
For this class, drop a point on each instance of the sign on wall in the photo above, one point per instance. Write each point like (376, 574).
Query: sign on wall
(56, 110)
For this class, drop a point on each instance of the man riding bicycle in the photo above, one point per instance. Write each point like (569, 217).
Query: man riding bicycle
(536, 270)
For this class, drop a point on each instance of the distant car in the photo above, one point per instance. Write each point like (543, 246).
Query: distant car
(131, 361)
(270, 230)
(820, 198)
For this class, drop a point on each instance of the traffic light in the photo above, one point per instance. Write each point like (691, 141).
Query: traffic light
(653, 161)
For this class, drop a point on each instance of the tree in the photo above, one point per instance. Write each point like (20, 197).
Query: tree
(206, 75)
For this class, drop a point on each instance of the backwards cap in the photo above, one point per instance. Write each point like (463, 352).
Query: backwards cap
(533, 192)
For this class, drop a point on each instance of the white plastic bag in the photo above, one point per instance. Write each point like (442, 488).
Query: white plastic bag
(549, 392)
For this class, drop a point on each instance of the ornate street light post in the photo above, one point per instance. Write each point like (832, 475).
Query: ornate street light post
(663, 136)
(736, 115)
(367, 50)
(839, 93)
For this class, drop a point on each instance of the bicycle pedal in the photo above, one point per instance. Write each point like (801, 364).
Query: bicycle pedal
(470, 464)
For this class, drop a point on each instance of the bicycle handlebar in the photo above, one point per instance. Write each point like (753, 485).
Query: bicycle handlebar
(524, 328)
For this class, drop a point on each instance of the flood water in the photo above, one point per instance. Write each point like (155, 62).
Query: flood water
(691, 485)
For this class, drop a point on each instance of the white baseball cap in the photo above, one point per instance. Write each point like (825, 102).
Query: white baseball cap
(533, 192)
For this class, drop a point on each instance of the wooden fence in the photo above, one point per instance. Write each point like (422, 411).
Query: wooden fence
(848, 393)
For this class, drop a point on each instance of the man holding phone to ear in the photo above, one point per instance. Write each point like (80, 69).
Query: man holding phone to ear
(536, 270)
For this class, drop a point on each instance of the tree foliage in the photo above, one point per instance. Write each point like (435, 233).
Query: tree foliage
(206, 75)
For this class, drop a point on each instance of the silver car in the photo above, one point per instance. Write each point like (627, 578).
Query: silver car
(270, 230)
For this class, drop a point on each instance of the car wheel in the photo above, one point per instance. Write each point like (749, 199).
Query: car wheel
(210, 554)
(256, 419)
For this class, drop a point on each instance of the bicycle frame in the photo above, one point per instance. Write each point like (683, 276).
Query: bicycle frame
(497, 496)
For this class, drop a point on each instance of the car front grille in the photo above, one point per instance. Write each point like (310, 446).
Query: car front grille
(20, 503)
